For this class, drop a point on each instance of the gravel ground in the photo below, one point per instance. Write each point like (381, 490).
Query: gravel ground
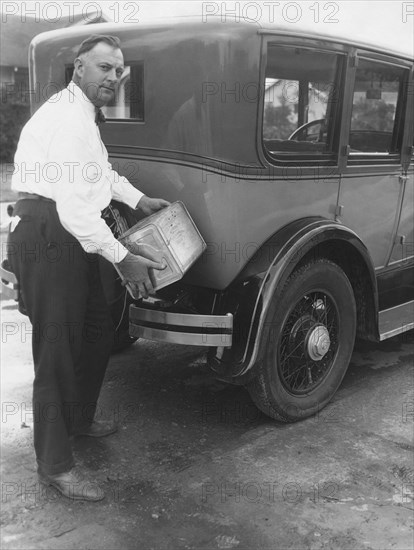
(194, 464)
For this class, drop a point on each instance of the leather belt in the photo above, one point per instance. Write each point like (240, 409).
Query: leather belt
(33, 196)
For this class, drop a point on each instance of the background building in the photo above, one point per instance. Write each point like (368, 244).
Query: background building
(16, 34)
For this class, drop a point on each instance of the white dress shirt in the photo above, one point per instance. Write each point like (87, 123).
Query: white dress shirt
(61, 156)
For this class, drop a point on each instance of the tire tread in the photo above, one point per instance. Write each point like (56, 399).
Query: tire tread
(258, 388)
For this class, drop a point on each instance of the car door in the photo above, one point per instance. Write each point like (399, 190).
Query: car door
(370, 191)
(402, 253)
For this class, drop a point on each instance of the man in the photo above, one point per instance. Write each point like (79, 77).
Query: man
(64, 182)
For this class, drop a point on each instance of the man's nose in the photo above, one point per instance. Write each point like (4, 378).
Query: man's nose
(111, 75)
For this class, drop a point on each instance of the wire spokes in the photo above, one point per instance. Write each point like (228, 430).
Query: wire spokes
(308, 342)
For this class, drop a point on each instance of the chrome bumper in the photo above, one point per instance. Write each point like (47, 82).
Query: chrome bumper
(9, 284)
(180, 328)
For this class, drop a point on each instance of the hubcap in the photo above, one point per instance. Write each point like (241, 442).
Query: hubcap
(318, 342)
(309, 343)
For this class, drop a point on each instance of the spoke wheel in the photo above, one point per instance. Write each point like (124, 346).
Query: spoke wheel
(308, 344)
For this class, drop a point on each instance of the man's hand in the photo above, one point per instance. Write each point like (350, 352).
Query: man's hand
(150, 206)
(135, 271)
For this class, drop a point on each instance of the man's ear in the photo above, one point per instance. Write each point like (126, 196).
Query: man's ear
(78, 67)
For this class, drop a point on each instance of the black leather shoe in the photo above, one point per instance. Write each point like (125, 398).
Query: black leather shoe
(98, 428)
(73, 485)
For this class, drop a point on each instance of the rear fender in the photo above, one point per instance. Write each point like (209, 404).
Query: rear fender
(273, 263)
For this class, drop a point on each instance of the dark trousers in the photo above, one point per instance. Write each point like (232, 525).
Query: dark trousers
(72, 328)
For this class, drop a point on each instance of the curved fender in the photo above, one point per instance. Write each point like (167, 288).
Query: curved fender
(277, 259)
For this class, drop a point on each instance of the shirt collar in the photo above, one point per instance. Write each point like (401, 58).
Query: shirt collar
(81, 98)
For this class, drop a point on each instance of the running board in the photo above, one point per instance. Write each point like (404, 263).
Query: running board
(396, 320)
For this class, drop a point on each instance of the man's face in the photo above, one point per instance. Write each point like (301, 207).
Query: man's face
(99, 72)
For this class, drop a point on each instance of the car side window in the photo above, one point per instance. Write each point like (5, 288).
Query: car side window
(376, 120)
(300, 103)
(128, 104)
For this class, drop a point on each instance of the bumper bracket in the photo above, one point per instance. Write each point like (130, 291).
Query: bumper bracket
(181, 328)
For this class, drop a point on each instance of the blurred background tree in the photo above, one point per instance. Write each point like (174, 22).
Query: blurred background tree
(277, 123)
(373, 115)
(14, 113)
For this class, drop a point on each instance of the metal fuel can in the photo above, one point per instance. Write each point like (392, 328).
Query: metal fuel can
(174, 238)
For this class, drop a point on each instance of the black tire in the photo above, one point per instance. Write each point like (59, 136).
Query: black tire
(119, 217)
(120, 316)
(310, 335)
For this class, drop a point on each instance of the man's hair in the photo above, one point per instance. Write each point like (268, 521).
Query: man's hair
(94, 39)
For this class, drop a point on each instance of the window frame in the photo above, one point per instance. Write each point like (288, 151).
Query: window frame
(304, 159)
(355, 158)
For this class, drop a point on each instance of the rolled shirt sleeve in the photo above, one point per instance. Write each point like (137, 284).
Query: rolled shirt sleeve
(122, 190)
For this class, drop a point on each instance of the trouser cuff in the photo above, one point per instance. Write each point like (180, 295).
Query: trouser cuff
(53, 469)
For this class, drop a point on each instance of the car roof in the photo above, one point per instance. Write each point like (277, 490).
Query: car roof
(186, 26)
